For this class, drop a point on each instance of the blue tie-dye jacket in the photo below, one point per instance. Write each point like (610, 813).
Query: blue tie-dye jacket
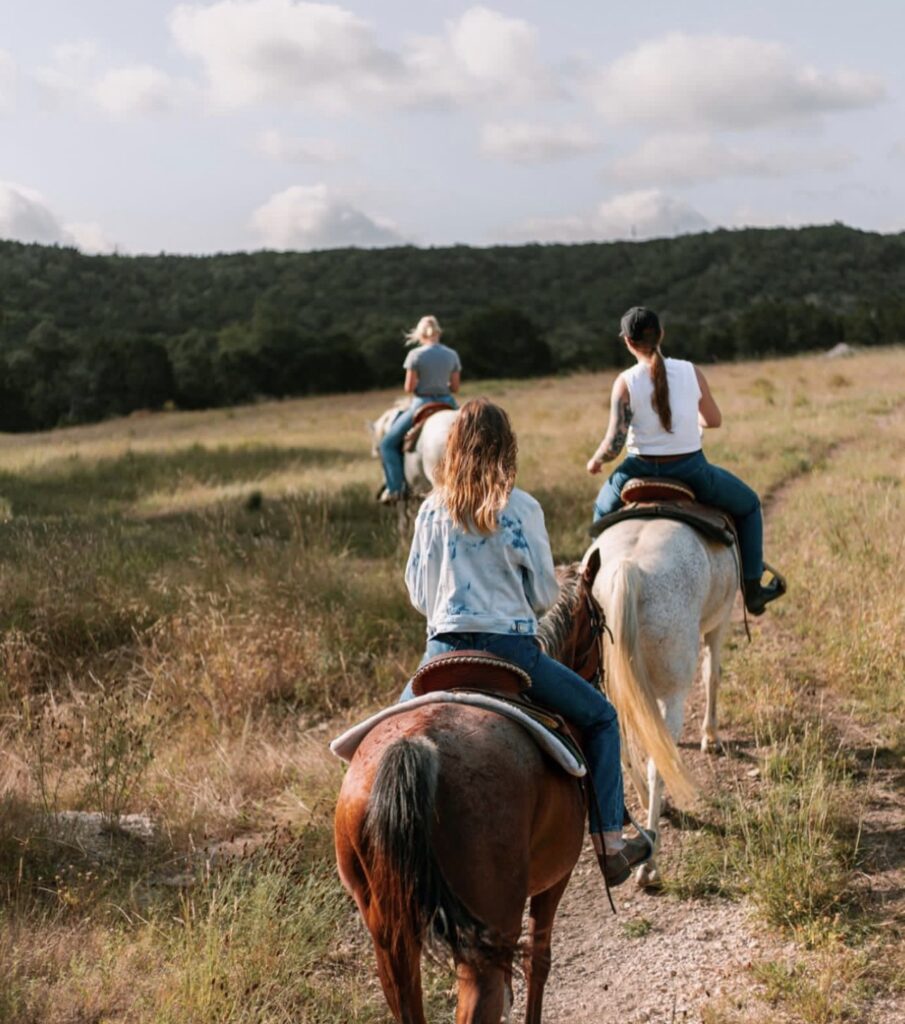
(467, 583)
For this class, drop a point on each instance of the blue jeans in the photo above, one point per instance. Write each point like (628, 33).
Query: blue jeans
(564, 691)
(712, 486)
(391, 444)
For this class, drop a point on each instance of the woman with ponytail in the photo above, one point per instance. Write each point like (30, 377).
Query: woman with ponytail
(658, 410)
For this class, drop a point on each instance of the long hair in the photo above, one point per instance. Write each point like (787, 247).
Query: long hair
(642, 328)
(427, 329)
(476, 474)
(660, 398)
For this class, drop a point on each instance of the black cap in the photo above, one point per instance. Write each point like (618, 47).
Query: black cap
(640, 324)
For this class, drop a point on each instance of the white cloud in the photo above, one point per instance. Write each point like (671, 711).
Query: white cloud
(315, 217)
(897, 150)
(26, 216)
(259, 50)
(483, 56)
(637, 215)
(296, 150)
(690, 158)
(723, 81)
(529, 142)
(140, 89)
(321, 55)
(90, 238)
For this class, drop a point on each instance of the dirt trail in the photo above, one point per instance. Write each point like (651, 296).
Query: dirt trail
(666, 960)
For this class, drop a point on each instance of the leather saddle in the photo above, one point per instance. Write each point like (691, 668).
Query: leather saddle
(423, 414)
(665, 498)
(471, 670)
(489, 673)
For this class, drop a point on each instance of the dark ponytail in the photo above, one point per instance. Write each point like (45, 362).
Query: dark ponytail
(641, 326)
(660, 398)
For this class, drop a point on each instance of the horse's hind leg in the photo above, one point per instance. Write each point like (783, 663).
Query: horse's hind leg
(648, 875)
(710, 674)
(481, 994)
(539, 957)
(400, 978)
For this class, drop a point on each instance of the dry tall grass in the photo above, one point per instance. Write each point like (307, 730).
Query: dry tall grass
(192, 602)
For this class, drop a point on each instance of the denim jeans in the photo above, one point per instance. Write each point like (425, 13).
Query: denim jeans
(711, 485)
(391, 444)
(559, 688)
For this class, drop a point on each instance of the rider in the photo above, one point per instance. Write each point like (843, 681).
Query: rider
(480, 569)
(432, 374)
(658, 409)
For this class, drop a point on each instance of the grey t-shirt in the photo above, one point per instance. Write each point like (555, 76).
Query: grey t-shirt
(433, 364)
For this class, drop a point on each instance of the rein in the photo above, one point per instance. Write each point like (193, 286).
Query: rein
(589, 661)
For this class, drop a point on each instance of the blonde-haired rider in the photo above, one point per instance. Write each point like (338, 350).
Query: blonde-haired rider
(481, 571)
(432, 374)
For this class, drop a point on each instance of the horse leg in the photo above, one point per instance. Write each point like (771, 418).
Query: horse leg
(710, 673)
(481, 994)
(648, 875)
(539, 957)
(400, 978)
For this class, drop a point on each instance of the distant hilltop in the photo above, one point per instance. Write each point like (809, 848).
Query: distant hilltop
(87, 337)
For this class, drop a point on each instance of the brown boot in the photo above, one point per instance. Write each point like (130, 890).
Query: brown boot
(618, 866)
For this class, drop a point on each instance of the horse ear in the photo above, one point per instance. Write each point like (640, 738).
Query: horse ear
(591, 567)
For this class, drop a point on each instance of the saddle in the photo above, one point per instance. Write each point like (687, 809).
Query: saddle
(421, 416)
(664, 498)
(478, 671)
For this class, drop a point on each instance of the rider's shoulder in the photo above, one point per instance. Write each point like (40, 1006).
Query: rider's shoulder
(524, 503)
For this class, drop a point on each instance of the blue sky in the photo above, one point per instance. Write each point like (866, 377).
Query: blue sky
(152, 126)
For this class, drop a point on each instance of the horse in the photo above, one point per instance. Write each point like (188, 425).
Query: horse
(666, 592)
(449, 819)
(420, 463)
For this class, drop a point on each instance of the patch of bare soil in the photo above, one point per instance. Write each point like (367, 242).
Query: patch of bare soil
(660, 958)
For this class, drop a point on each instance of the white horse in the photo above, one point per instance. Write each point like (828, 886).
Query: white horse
(420, 463)
(664, 588)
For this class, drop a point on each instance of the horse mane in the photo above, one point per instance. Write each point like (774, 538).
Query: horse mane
(555, 626)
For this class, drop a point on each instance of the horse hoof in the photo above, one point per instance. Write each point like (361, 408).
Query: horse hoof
(712, 745)
(648, 876)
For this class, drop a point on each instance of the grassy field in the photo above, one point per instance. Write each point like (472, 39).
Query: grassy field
(191, 604)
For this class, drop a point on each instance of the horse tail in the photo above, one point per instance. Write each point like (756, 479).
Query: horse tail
(630, 686)
(414, 903)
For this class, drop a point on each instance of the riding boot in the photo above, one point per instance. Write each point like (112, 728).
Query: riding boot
(758, 596)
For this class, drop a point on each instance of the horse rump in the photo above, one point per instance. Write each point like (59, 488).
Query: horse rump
(415, 905)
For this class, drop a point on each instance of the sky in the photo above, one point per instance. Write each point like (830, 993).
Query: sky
(145, 126)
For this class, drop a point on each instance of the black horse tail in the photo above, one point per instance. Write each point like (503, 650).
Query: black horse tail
(414, 903)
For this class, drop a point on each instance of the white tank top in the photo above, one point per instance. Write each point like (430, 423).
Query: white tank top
(646, 434)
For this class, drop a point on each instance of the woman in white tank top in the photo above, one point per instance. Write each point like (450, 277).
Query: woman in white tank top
(658, 411)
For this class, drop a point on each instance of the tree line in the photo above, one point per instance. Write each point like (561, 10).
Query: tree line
(87, 337)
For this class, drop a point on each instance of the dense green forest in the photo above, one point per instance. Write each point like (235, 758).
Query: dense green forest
(86, 337)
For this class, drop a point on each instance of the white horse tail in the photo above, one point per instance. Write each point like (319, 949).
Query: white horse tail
(631, 689)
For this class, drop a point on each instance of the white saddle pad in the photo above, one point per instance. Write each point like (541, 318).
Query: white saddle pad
(345, 746)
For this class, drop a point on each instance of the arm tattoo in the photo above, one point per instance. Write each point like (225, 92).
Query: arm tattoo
(617, 432)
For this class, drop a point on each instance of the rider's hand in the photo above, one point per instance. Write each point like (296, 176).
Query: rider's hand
(595, 465)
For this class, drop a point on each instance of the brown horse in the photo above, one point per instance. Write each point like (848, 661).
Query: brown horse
(448, 820)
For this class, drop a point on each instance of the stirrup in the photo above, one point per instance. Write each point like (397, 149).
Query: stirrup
(774, 589)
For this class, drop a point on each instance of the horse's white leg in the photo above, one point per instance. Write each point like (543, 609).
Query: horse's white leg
(674, 713)
(710, 674)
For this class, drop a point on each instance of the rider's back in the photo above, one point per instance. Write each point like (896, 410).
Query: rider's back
(646, 434)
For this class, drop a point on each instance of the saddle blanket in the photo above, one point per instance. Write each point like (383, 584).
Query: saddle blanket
(344, 746)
